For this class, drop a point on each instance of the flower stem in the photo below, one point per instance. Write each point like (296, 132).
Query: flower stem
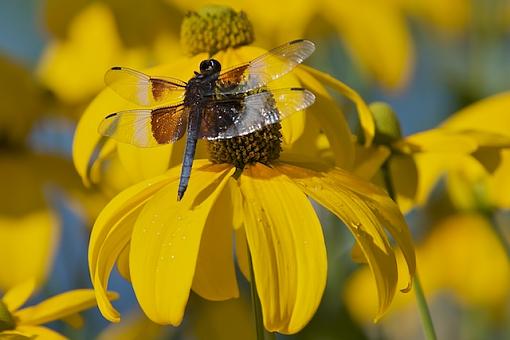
(257, 309)
(491, 217)
(426, 319)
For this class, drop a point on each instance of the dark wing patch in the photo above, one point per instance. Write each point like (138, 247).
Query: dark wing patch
(142, 89)
(145, 128)
(219, 116)
(168, 124)
(240, 116)
(266, 68)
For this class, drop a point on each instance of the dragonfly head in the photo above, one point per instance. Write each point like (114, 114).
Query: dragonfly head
(210, 66)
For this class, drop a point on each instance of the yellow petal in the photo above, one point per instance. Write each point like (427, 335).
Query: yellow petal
(74, 320)
(18, 295)
(123, 263)
(112, 231)
(40, 333)
(369, 160)
(378, 39)
(38, 232)
(406, 183)
(431, 166)
(166, 240)
(330, 119)
(365, 209)
(15, 335)
(145, 163)
(242, 255)
(437, 140)
(92, 46)
(58, 307)
(287, 247)
(215, 276)
(490, 114)
(365, 116)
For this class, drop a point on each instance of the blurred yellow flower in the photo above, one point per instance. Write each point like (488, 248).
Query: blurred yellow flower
(73, 68)
(461, 256)
(425, 156)
(27, 221)
(26, 322)
(472, 185)
(17, 114)
(374, 32)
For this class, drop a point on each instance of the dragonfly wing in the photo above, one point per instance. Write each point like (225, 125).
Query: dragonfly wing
(243, 115)
(142, 89)
(266, 68)
(146, 128)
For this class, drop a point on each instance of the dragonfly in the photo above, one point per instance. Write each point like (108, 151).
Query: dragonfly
(212, 105)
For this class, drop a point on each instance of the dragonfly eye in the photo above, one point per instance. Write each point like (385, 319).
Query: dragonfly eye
(210, 66)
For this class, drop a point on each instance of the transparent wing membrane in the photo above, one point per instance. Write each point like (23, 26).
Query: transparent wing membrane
(146, 128)
(142, 89)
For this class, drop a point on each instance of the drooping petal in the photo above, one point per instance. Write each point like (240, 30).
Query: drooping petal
(437, 140)
(365, 116)
(123, 262)
(365, 209)
(369, 160)
(166, 240)
(17, 296)
(40, 333)
(58, 306)
(215, 275)
(112, 232)
(145, 163)
(287, 247)
(330, 119)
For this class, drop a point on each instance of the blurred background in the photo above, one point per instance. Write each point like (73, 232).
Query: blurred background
(427, 58)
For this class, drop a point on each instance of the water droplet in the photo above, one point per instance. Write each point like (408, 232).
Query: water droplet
(179, 217)
(144, 230)
(158, 233)
(356, 225)
(172, 257)
(183, 237)
(169, 244)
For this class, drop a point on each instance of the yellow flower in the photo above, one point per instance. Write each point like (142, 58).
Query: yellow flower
(425, 156)
(268, 206)
(378, 39)
(461, 256)
(483, 181)
(155, 239)
(26, 322)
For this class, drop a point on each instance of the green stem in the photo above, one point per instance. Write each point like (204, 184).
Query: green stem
(426, 319)
(257, 309)
(491, 217)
